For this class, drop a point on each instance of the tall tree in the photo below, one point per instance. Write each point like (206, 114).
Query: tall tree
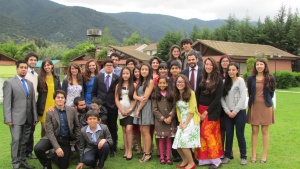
(163, 46)
(135, 39)
(106, 39)
(196, 33)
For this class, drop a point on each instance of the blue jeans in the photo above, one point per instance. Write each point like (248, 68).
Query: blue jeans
(239, 122)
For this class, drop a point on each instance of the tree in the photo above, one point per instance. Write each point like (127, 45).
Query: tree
(54, 51)
(135, 39)
(106, 39)
(25, 49)
(163, 46)
(80, 49)
(196, 33)
(9, 48)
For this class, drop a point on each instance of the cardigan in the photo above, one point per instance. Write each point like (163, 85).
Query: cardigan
(192, 109)
(268, 95)
(214, 106)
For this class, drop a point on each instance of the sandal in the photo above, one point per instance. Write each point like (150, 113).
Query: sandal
(162, 161)
(145, 158)
(253, 161)
(263, 161)
(169, 161)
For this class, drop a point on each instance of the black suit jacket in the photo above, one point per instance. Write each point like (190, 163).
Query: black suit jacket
(200, 60)
(99, 90)
(186, 72)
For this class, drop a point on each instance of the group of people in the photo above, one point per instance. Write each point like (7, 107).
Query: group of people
(188, 106)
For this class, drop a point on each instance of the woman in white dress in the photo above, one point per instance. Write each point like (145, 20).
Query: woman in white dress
(188, 132)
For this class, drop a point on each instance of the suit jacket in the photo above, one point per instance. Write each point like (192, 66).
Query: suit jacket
(99, 90)
(53, 125)
(200, 60)
(41, 101)
(17, 107)
(186, 72)
(85, 140)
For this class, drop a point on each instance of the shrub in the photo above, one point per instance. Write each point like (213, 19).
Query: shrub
(296, 81)
(246, 75)
(284, 79)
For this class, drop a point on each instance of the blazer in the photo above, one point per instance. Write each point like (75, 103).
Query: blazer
(65, 85)
(214, 107)
(41, 101)
(53, 126)
(17, 107)
(85, 140)
(186, 72)
(200, 60)
(99, 90)
(268, 95)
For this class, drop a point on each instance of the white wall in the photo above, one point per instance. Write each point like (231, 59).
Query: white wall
(1, 90)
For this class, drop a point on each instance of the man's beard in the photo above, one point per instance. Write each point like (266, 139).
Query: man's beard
(82, 111)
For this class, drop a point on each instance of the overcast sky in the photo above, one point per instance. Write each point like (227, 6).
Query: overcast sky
(187, 9)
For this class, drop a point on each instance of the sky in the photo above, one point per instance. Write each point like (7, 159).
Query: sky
(187, 9)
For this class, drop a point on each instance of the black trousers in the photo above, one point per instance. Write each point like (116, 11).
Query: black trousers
(29, 145)
(112, 118)
(44, 145)
(91, 157)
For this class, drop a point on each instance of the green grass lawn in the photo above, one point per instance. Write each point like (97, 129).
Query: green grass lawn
(283, 148)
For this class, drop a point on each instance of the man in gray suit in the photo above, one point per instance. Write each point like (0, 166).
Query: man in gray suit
(19, 113)
(62, 127)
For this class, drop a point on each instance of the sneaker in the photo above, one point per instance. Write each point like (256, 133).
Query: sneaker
(243, 161)
(225, 160)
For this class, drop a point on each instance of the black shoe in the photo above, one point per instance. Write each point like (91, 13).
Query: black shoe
(113, 154)
(177, 159)
(30, 156)
(47, 167)
(23, 164)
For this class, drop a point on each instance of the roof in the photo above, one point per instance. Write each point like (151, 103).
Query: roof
(8, 57)
(82, 57)
(39, 63)
(150, 47)
(139, 47)
(133, 53)
(244, 49)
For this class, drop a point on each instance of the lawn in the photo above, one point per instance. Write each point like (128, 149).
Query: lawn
(283, 149)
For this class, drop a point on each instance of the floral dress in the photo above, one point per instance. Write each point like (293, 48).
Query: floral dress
(190, 136)
(73, 92)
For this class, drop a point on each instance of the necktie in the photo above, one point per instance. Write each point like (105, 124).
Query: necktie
(192, 79)
(107, 82)
(24, 86)
(32, 72)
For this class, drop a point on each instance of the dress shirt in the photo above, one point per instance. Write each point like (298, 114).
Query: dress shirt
(64, 127)
(93, 134)
(22, 82)
(195, 76)
(110, 78)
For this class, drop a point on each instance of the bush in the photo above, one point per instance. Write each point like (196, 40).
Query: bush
(284, 79)
(296, 81)
(246, 75)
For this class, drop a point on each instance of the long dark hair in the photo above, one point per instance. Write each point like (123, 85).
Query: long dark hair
(210, 87)
(269, 79)
(228, 81)
(220, 64)
(156, 95)
(141, 79)
(187, 90)
(78, 76)
(139, 69)
(87, 72)
(130, 84)
(152, 59)
(42, 76)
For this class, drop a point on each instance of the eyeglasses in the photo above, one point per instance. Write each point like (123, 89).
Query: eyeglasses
(225, 61)
(108, 65)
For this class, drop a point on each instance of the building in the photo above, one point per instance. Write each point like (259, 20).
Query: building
(240, 52)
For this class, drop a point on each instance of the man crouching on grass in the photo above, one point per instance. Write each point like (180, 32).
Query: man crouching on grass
(62, 126)
(94, 142)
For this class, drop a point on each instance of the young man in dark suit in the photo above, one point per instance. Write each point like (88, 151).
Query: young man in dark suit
(19, 113)
(193, 71)
(186, 44)
(62, 127)
(104, 89)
